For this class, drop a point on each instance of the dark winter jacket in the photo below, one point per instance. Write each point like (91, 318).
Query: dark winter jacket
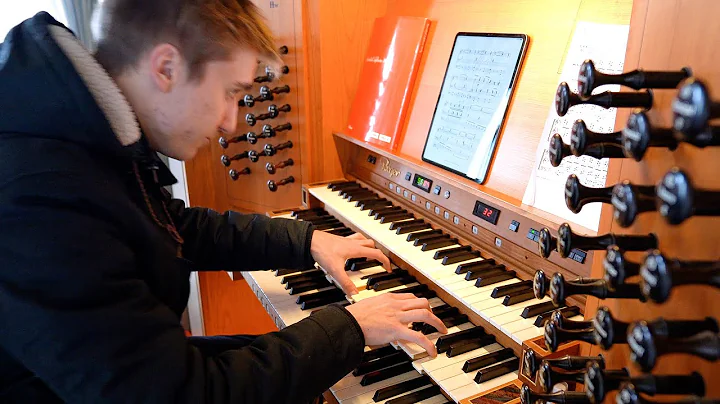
(93, 275)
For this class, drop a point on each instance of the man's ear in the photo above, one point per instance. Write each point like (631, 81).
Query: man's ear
(165, 66)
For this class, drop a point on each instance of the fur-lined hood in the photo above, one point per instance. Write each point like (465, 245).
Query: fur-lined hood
(51, 87)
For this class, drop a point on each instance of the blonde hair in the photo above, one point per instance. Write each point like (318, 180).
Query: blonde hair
(203, 31)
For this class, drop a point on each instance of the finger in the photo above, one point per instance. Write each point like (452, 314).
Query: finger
(346, 284)
(402, 296)
(416, 303)
(418, 338)
(356, 236)
(425, 316)
(367, 243)
(374, 253)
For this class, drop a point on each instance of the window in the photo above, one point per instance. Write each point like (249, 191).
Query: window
(13, 13)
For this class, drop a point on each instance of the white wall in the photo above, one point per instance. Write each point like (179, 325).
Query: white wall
(13, 12)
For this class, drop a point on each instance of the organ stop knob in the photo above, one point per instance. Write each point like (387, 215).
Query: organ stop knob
(589, 78)
(235, 174)
(565, 99)
(273, 185)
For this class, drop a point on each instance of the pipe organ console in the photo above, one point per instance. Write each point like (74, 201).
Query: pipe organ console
(538, 308)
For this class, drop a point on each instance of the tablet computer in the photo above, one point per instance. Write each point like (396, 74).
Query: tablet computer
(473, 102)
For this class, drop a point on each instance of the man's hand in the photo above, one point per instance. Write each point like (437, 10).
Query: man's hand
(386, 318)
(332, 251)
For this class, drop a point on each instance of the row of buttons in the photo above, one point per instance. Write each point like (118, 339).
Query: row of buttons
(428, 205)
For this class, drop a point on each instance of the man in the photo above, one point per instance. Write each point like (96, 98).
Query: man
(94, 255)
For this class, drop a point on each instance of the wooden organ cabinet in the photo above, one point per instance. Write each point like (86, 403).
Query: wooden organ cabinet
(632, 318)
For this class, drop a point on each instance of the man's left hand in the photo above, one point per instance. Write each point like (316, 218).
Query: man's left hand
(331, 252)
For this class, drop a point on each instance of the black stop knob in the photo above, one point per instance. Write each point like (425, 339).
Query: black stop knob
(556, 336)
(598, 381)
(267, 91)
(650, 340)
(272, 168)
(272, 131)
(567, 240)
(226, 160)
(582, 139)
(578, 195)
(561, 321)
(608, 331)
(273, 185)
(283, 50)
(639, 135)
(557, 151)
(271, 150)
(235, 174)
(547, 243)
(630, 200)
(628, 394)
(659, 275)
(225, 143)
(677, 200)
(252, 137)
(560, 290)
(617, 268)
(565, 99)
(692, 109)
(589, 78)
(568, 362)
(547, 377)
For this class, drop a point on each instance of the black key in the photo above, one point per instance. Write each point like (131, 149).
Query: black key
(496, 370)
(328, 226)
(309, 286)
(413, 222)
(383, 210)
(365, 205)
(451, 321)
(421, 240)
(404, 228)
(417, 396)
(385, 285)
(441, 308)
(315, 303)
(355, 191)
(396, 217)
(448, 251)
(319, 295)
(480, 282)
(518, 297)
(362, 197)
(342, 232)
(462, 268)
(364, 265)
(460, 257)
(307, 274)
(434, 245)
(283, 272)
(418, 290)
(536, 309)
(484, 273)
(380, 375)
(501, 291)
(377, 353)
(445, 341)
(487, 359)
(342, 185)
(301, 281)
(382, 277)
(467, 346)
(381, 363)
(569, 311)
(307, 212)
(446, 311)
(350, 261)
(429, 233)
(319, 219)
(427, 294)
(400, 388)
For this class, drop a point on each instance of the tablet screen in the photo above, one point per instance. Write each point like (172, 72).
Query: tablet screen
(473, 102)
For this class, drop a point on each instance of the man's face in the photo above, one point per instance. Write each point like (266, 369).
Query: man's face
(192, 114)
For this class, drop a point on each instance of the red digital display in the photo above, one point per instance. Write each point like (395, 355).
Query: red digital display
(486, 212)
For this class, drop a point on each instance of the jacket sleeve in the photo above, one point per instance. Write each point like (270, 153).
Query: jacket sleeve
(75, 312)
(241, 242)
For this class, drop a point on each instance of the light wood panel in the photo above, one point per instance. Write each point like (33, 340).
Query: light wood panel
(667, 35)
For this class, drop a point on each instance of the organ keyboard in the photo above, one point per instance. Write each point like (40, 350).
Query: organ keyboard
(463, 283)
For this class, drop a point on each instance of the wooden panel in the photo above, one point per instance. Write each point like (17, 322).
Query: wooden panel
(667, 35)
(549, 24)
(231, 308)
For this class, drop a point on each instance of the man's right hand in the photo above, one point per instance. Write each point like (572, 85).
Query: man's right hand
(386, 318)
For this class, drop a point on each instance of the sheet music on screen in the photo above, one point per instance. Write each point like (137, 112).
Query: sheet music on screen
(473, 102)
